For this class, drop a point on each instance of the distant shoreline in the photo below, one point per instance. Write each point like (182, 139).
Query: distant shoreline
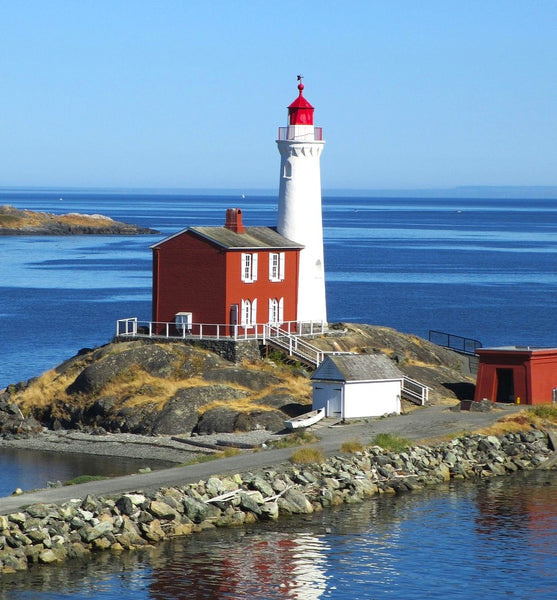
(14, 221)
(509, 192)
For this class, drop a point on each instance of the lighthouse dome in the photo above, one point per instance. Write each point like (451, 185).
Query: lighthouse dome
(300, 112)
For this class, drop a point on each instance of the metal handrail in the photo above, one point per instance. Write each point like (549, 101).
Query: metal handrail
(454, 342)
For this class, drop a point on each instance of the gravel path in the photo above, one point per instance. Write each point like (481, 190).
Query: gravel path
(421, 424)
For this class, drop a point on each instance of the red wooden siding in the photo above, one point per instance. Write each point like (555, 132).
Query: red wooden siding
(192, 274)
(189, 274)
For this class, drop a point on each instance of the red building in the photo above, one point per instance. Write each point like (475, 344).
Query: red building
(515, 374)
(232, 276)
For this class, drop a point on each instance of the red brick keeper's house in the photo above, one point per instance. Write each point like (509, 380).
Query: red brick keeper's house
(231, 276)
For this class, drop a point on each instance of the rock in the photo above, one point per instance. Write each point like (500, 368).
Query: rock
(195, 510)
(89, 533)
(161, 510)
(294, 502)
(125, 506)
(269, 420)
(252, 380)
(217, 420)
(180, 414)
(153, 531)
(247, 502)
(155, 360)
(50, 556)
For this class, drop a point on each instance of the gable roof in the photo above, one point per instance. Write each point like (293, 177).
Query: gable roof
(253, 238)
(357, 367)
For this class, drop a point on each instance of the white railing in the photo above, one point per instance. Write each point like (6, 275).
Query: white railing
(132, 327)
(292, 344)
(301, 133)
(295, 346)
(415, 391)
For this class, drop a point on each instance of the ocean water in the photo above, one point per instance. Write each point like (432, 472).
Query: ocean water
(484, 269)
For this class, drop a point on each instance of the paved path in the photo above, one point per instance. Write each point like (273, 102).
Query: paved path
(421, 424)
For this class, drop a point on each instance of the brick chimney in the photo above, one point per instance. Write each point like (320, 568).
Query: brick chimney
(234, 220)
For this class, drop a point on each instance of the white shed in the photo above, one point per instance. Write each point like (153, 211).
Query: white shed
(357, 385)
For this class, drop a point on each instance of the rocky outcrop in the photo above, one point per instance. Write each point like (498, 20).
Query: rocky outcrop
(26, 222)
(160, 388)
(14, 422)
(175, 388)
(447, 373)
(45, 534)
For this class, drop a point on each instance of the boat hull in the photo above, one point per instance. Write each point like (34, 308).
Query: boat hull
(306, 420)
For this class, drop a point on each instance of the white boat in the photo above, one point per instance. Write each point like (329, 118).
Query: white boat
(305, 420)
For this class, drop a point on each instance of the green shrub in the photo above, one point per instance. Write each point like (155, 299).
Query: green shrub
(298, 438)
(545, 411)
(391, 442)
(84, 479)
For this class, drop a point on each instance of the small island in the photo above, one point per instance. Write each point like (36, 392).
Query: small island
(14, 221)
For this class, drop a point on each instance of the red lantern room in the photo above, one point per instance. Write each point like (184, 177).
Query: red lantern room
(300, 112)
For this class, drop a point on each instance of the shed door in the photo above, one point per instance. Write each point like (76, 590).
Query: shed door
(505, 385)
(329, 398)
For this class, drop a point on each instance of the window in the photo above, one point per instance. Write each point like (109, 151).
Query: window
(287, 172)
(276, 266)
(249, 268)
(249, 313)
(276, 310)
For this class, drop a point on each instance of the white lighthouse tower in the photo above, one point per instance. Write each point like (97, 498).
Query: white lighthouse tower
(299, 209)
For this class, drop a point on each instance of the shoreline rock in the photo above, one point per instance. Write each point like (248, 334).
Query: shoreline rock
(48, 533)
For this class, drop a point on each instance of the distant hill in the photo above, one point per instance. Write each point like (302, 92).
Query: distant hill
(14, 221)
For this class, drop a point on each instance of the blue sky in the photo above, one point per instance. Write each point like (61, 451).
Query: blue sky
(410, 94)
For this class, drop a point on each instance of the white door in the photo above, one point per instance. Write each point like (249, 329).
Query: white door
(330, 398)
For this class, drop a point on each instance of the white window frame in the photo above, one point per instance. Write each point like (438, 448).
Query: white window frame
(249, 267)
(276, 311)
(276, 266)
(249, 312)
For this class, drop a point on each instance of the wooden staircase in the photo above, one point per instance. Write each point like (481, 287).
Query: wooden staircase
(310, 355)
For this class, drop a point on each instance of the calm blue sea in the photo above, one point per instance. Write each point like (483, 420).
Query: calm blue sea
(484, 269)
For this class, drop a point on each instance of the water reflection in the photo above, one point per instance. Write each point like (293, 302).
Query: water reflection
(287, 566)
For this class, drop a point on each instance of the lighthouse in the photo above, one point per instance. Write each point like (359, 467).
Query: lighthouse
(300, 144)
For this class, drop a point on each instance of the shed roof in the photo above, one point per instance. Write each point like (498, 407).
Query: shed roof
(357, 367)
(253, 238)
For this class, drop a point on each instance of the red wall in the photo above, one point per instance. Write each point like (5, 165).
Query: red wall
(191, 274)
(263, 288)
(534, 374)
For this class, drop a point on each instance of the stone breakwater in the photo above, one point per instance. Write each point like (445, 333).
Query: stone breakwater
(48, 533)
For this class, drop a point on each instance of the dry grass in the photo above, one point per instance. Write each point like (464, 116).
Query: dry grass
(246, 404)
(47, 388)
(138, 388)
(352, 446)
(542, 416)
(307, 456)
